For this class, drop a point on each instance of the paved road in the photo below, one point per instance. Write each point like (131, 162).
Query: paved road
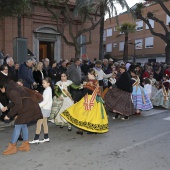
(141, 143)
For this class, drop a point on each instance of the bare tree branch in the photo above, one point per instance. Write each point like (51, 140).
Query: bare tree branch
(151, 29)
(159, 21)
(164, 7)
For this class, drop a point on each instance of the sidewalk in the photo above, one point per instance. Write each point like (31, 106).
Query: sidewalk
(3, 125)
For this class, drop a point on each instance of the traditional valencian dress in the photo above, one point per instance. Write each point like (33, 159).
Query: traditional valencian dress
(154, 84)
(161, 98)
(118, 99)
(61, 89)
(141, 100)
(89, 113)
(111, 82)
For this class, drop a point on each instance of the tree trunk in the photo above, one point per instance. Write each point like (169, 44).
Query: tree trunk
(101, 39)
(167, 53)
(125, 52)
(77, 51)
(19, 26)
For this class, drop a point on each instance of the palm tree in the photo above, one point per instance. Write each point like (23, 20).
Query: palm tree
(126, 28)
(103, 7)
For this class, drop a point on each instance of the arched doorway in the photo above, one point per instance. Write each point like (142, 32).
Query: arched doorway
(47, 43)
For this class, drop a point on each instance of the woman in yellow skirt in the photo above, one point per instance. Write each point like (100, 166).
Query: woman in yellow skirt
(89, 113)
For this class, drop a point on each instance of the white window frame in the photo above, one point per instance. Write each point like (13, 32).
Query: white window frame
(152, 24)
(114, 45)
(109, 32)
(109, 48)
(167, 19)
(139, 44)
(115, 28)
(81, 40)
(121, 46)
(151, 44)
(139, 25)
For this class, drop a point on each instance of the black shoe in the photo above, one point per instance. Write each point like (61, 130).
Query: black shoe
(61, 126)
(20, 138)
(125, 118)
(79, 132)
(116, 116)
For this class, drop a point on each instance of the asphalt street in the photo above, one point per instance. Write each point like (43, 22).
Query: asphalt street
(140, 143)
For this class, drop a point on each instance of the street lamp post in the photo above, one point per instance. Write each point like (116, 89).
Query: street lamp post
(134, 44)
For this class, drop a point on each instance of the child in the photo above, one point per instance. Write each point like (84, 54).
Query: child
(148, 87)
(161, 98)
(140, 97)
(45, 106)
(62, 101)
(89, 113)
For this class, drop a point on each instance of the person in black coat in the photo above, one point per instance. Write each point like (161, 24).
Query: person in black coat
(85, 67)
(11, 69)
(157, 74)
(46, 66)
(63, 68)
(4, 77)
(53, 72)
(118, 100)
(38, 75)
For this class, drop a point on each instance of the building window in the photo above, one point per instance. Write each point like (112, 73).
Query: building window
(151, 22)
(109, 32)
(149, 42)
(109, 48)
(104, 35)
(167, 20)
(121, 46)
(138, 44)
(139, 25)
(115, 45)
(115, 28)
(81, 40)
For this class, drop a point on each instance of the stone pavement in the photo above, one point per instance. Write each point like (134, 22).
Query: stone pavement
(140, 143)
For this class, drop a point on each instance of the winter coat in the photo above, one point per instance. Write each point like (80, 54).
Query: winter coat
(25, 73)
(74, 74)
(23, 105)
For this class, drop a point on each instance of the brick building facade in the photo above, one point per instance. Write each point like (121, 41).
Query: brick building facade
(148, 47)
(42, 36)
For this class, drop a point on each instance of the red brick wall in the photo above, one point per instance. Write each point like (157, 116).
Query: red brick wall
(41, 17)
(159, 44)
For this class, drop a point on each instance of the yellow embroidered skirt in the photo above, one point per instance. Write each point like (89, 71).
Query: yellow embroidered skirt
(94, 120)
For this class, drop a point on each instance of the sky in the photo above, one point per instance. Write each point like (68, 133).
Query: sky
(133, 2)
(130, 3)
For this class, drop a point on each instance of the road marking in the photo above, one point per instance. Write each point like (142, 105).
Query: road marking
(144, 142)
(152, 112)
(167, 118)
